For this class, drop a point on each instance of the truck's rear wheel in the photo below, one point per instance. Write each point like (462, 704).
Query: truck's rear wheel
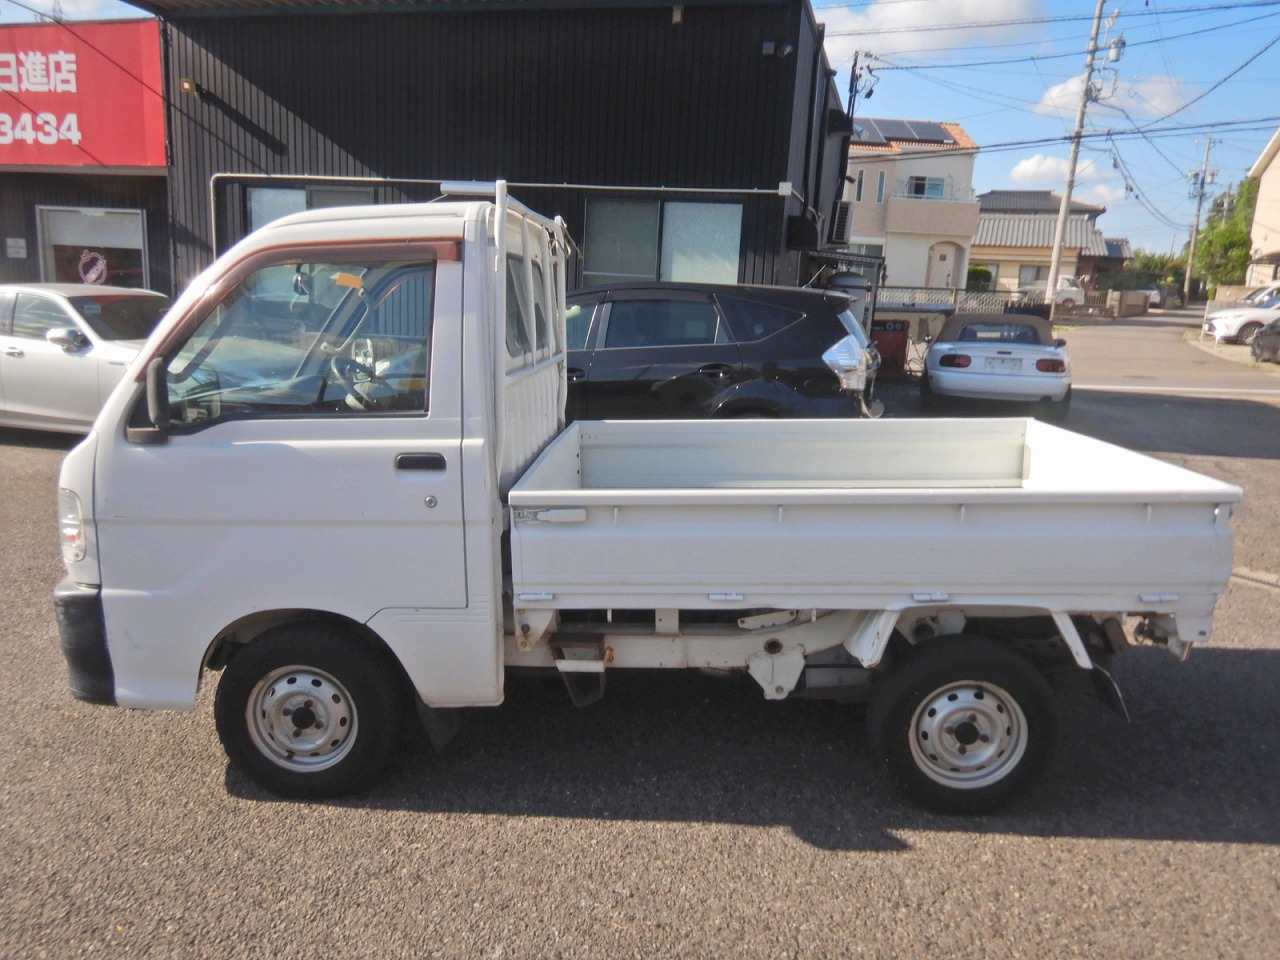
(307, 711)
(962, 724)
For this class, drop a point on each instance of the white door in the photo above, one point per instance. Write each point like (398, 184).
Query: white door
(313, 462)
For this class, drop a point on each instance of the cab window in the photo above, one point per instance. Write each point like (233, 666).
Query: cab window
(308, 340)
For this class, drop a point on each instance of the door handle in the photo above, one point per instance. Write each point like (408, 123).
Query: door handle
(575, 374)
(14, 352)
(715, 371)
(431, 462)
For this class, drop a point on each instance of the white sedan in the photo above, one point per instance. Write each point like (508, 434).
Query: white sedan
(1241, 324)
(998, 356)
(64, 347)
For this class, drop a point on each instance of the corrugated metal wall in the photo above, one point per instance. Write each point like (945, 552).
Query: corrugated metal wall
(619, 97)
(23, 192)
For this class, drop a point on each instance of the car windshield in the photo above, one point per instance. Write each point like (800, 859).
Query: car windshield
(998, 333)
(121, 316)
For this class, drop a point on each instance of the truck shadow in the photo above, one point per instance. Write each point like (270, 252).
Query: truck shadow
(1198, 763)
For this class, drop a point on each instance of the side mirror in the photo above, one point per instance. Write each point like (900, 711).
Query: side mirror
(68, 338)
(157, 408)
(1059, 342)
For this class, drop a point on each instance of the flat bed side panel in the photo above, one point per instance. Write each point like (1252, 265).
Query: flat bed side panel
(1090, 526)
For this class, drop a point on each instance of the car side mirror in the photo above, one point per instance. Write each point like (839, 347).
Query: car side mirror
(1060, 342)
(157, 408)
(68, 338)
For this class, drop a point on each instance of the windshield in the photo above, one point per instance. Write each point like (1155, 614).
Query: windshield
(309, 339)
(121, 317)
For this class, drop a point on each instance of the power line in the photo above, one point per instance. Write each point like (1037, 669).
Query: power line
(1033, 21)
(887, 65)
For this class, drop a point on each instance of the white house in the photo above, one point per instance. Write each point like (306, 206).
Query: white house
(910, 184)
(1264, 245)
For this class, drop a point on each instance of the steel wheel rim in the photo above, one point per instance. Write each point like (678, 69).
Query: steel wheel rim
(968, 735)
(301, 718)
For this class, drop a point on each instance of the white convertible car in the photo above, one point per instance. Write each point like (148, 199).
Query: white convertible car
(998, 356)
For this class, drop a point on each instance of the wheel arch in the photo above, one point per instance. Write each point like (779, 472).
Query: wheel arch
(870, 640)
(244, 631)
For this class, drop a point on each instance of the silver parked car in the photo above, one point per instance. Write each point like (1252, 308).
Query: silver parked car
(64, 347)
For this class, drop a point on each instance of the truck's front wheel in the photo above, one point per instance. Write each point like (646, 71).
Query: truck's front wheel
(308, 712)
(962, 724)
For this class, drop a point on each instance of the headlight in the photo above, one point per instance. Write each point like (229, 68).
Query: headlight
(71, 526)
(848, 361)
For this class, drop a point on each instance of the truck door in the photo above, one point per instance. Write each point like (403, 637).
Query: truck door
(313, 459)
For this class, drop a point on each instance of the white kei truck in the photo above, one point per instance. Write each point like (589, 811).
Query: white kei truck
(339, 473)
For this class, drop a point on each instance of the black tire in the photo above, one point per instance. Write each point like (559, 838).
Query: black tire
(1059, 411)
(1248, 333)
(962, 724)
(346, 693)
(929, 401)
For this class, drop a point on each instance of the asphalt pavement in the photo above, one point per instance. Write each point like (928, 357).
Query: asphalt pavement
(683, 816)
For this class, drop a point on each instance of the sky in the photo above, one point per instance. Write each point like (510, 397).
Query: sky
(1011, 72)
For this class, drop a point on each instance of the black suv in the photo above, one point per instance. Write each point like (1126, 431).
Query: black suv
(665, 351)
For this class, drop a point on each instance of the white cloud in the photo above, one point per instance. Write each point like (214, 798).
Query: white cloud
(1153, 96)
(1096, 182)
(921, 26)
(1061, 100)
(1103, 194)
(1149, 97)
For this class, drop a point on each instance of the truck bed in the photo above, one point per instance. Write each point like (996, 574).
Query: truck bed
(863, 514)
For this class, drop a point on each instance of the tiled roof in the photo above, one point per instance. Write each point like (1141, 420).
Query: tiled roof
(1027, 230)
(1118, 248)
(1030, 201)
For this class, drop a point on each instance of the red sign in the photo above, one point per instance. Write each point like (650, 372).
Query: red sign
(81, 95)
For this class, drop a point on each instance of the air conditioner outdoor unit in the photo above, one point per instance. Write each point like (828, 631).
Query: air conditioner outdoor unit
(841, 222)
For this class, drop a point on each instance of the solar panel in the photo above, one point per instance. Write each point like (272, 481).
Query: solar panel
(929, 132)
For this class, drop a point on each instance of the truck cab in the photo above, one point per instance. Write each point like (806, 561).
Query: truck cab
(347, 359)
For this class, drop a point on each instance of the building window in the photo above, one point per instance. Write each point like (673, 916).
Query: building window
(880, 187)
(857, 187)
(266, 204)
(657, 240)
(930, 188)
(90, 245)
(1029, 274)
(866, 249)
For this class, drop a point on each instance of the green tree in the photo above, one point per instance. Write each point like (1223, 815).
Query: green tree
(1223, 246)
(979, 278)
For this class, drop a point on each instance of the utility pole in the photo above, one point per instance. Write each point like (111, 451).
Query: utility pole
(1198, 180)
(855, 75)
(1064, 209)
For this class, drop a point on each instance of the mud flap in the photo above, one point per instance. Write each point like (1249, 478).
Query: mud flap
(1105, 686)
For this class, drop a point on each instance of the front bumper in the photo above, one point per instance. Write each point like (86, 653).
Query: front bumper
(83, 631)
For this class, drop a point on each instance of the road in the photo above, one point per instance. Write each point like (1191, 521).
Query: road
(680, 817)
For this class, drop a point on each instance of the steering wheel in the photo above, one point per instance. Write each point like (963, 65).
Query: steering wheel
(344, 371)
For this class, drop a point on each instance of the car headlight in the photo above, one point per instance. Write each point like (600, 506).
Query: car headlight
(71, 526)
(848, 361)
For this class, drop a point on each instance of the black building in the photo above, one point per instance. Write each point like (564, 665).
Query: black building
(702, 140)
